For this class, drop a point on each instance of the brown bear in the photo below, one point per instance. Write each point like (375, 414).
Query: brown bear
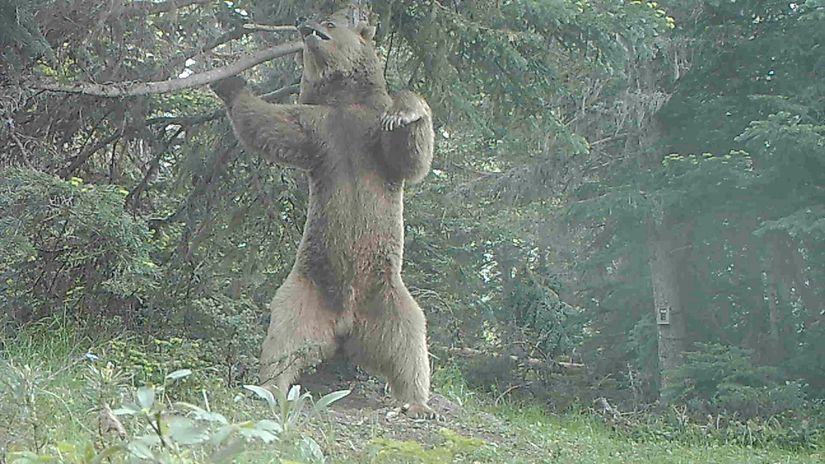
(359, 146)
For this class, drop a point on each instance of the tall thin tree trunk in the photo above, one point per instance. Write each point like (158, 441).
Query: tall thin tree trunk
(772, 269)
(775, 348)
(810, 295)
(666, 251)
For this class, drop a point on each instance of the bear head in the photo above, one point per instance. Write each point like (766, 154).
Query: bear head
(337, 44)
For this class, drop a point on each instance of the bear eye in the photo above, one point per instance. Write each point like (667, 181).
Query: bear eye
(329, 25)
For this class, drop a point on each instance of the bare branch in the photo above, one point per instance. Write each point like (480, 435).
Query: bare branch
(25, 153)
(86, 154)
(131, 89)
(186, 121)
(134, 195)
(528, 361)
(267, 28)
(192, 120)
(228, 36)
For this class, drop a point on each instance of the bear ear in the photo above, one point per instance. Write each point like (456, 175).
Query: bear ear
(366, 32)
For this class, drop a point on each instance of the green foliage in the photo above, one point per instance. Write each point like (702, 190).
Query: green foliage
(450, 382)
(68, 431)
(551, 325)
(164, 432)
(200, 436)
(21, 392)
(69, 246)
(808, 361)
(21, 40)
(153, 362)
(106, 384)
(729, 170)
(172, 437)
(675, 425)
(288, 407)
(718, 379)
(579, 124)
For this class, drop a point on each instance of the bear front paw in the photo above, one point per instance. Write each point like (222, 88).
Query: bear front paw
(397, 120)
(228, 88)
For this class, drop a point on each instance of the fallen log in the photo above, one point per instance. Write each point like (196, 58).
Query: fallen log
(525, 360)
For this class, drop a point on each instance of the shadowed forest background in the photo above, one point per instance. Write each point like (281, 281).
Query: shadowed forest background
(626, 213)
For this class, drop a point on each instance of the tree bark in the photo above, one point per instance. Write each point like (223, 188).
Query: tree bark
(666, 256)
(772, 268)
(775, 348)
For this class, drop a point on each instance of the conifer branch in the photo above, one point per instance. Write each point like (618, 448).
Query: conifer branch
(151, 8)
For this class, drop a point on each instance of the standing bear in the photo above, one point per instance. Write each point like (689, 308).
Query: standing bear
(359, 146)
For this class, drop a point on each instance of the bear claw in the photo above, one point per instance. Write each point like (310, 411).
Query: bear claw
(421, 411)
(392, 121)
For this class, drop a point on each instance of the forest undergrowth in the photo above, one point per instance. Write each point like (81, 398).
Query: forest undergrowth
(65, 397)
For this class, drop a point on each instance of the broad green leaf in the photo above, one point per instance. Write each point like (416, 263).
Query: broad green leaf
(149, 440)
(184, 431)
(294, 393)
(309, 451)
(229, 451)
(140, 450)
(262, 393)
(269, 425)
(328, 399)
(204, 415)
(222, 434)
(263, 435)
(179, 374)
(25, 457)
(108, 453)
(127, 410)
(66, 447)
(146, 397)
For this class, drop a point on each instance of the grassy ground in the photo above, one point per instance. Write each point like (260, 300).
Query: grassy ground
(50, 407)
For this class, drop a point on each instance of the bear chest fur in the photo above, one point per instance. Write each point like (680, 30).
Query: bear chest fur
(353, 239)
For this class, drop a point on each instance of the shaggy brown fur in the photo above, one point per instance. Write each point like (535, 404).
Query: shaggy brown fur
(359, 146)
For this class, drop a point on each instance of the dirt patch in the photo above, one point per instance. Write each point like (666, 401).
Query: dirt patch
(368, 413)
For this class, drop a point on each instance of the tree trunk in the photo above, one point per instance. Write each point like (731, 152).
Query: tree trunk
(773, 278)
(666, 253)
(810, 295)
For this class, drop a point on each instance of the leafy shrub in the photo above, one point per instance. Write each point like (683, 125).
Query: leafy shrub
(490, 373)
(551, 325)
(68, 244)
(71, 247)
(20, 412)
(719, 379)
(162, 431)
(719, 430)
(808, 360)
(151, 363)
(288, 411)
(230, 334)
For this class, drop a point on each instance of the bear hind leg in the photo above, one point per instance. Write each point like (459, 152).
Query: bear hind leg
(392, 341)
(301, 334)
